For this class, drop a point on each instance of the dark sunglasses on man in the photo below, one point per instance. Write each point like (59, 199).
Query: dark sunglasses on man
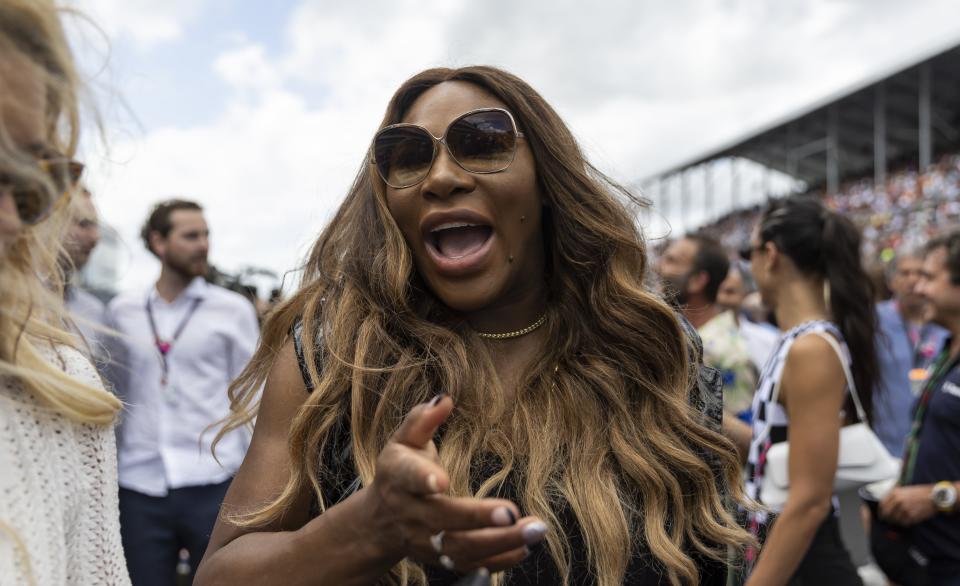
(746, 253)
(480, 141)
(34, 200)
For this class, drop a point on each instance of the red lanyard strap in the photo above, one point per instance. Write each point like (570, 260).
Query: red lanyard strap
(164, 346)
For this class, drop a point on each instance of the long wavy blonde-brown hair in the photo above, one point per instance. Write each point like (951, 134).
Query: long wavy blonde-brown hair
(31, 287)
(602, 422)
(31, 280)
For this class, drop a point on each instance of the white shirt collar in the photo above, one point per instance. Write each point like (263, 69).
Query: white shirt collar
(197, 289)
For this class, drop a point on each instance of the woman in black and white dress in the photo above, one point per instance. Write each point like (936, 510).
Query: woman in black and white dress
(806, 261)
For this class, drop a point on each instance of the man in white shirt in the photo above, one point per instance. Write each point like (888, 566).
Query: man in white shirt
(185, 341)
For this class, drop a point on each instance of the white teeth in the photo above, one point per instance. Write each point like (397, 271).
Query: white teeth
(451, 225)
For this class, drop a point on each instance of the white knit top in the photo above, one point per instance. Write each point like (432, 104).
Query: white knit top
(58, 490)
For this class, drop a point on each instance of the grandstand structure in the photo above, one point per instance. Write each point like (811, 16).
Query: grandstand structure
(904, 116)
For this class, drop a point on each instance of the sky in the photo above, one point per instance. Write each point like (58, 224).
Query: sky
(262, 111)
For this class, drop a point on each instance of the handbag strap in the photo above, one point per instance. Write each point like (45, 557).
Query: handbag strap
(861, 413)
(848, 375)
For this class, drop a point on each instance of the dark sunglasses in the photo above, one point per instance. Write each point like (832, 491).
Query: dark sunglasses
(746, 253)
(33, 200)
(480, 141)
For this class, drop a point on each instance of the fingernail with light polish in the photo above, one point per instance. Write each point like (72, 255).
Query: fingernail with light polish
(534, 532)
(503, 516)
(436, 400)
(479, 577)
(432, 483)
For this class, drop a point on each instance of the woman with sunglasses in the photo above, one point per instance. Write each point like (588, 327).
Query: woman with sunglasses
(806, 263)
(59, 521)
(473, 375)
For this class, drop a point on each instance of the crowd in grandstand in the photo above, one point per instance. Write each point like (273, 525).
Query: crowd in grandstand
(908, 209)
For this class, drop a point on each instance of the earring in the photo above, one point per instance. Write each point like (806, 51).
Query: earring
(522, 219)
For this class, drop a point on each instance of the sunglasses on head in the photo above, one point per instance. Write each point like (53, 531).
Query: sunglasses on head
(33, 200)
(480, 141)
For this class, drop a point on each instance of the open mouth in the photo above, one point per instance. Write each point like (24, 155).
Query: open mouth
(455, 240)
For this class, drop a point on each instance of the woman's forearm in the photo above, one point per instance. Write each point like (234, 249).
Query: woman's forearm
(788, 542)
(334, 548)
(739, 433)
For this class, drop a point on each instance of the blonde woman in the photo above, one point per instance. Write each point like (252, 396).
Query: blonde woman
(58, 493)
(474, 375)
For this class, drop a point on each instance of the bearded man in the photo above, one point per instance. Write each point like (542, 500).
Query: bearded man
(184, 340)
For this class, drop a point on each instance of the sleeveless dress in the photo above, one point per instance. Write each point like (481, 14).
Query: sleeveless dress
(826, 562)
(58, 489)
(538, 567)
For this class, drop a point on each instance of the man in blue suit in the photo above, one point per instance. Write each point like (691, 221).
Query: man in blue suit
(906, 347)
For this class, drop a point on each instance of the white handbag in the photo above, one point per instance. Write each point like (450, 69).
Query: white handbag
(862, 459)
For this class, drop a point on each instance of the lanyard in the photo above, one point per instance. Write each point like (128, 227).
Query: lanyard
(164, 346)
(915, 345)
(940, 368)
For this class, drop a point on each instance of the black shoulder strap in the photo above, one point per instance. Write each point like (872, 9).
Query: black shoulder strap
(706, 394)
(340, 478)
(297, 333)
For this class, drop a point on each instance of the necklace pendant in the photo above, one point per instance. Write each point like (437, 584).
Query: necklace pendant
(164, 347)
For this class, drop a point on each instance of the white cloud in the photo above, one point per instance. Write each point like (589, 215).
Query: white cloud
(146, 22)
(354, 57)
(261, 172)
(247, 67)
(643, 84)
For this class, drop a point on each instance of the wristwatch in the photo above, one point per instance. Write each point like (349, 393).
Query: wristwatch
(944, 496)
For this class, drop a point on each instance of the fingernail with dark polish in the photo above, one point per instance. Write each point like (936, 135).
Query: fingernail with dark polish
(503, 516)
(436, 400)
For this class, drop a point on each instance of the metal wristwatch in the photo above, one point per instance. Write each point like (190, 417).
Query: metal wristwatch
(944, 496)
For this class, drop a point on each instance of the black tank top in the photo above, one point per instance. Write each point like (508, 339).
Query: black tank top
(538, 567)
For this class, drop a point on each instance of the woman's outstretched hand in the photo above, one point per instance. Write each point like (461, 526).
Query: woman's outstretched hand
(411, 516)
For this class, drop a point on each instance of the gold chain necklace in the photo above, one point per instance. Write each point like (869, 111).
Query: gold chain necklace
(517, 333)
